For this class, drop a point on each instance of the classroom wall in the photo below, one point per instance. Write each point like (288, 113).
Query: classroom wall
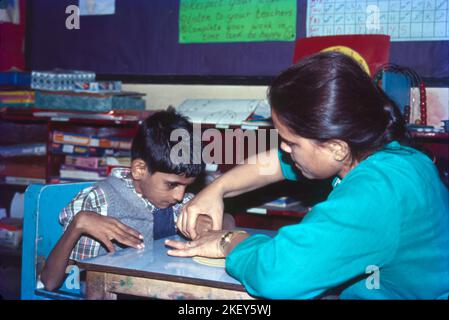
(142, 38)
(161, 96)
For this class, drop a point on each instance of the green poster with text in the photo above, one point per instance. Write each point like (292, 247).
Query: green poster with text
(205, 21)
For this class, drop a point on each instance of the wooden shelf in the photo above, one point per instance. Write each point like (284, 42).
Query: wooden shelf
(433, 135)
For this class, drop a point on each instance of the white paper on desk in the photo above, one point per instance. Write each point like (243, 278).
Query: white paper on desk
(218, 111)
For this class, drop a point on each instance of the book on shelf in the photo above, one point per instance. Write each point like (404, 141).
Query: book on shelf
(91, 141)
(23, 98)
(90, 102)
(22, 180)
(114, 115)
(118, 161)
(97, 162)
(85, 162)
(70, 172)
(70, 149)
(17, 150)
(27, 169)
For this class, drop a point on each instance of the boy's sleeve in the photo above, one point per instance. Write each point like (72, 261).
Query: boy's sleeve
(288, 168)
(177, 207)
(90, 199)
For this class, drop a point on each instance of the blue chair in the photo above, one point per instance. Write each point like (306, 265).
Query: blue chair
(41, 231)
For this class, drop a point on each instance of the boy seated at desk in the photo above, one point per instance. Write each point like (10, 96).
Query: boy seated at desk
(132, 207)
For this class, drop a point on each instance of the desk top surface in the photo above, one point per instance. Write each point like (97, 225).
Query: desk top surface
(156, 264)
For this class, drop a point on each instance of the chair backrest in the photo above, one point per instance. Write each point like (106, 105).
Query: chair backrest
(41, 230)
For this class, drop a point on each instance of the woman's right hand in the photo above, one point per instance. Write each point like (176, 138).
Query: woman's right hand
(208, 202)
(106, 229)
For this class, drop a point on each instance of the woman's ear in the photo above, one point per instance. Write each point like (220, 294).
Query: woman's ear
(340, 149)
(138, 169)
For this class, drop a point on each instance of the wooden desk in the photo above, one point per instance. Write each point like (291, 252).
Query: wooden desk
(152, 273)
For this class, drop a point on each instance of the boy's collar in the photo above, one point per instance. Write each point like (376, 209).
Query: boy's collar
(125, 175)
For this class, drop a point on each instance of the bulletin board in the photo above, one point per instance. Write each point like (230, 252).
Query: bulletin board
(142, 38)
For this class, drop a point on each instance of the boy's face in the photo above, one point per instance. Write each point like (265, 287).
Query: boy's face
(161, 189)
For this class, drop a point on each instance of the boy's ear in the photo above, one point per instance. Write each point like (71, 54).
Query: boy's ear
(138, 169)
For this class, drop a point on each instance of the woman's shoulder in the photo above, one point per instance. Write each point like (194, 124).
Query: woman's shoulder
(396, 166)
(397, 158)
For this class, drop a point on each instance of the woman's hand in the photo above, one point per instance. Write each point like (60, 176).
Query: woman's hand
(106, 229)
(208, 245)
(203, 224)
(208, 202)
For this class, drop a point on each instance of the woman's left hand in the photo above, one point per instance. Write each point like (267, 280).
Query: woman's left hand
(208, 245)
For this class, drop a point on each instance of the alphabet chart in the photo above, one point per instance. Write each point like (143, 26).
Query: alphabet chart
(403, 20)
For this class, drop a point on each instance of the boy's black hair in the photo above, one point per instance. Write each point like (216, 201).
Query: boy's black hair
(153, 145)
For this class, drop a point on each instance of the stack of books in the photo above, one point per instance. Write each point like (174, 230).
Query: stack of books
(17, 98)
(77, 90)
(89, 158)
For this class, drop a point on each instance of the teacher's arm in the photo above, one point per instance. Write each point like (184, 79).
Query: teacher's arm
(259, 170)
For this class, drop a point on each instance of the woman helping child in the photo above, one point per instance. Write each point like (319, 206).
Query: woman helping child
(388, 211)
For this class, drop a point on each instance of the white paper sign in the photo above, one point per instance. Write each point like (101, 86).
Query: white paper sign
(96, 7)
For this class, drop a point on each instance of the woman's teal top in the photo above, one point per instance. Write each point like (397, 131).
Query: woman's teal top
(383, 233)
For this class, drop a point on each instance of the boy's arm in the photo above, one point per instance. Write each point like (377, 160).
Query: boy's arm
(104, 229)
(85, 215)
(56, 264)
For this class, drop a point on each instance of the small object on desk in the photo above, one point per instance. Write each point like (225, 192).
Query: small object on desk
(445, 125)
(282, 202)
(212, 262)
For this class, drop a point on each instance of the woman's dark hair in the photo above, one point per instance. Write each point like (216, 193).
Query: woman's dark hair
(153, 145)
(329, 96)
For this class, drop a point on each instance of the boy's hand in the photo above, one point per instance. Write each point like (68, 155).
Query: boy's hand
(106, 229)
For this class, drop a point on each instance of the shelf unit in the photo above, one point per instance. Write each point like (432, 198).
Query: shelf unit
(23, 126)
(30, 125)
